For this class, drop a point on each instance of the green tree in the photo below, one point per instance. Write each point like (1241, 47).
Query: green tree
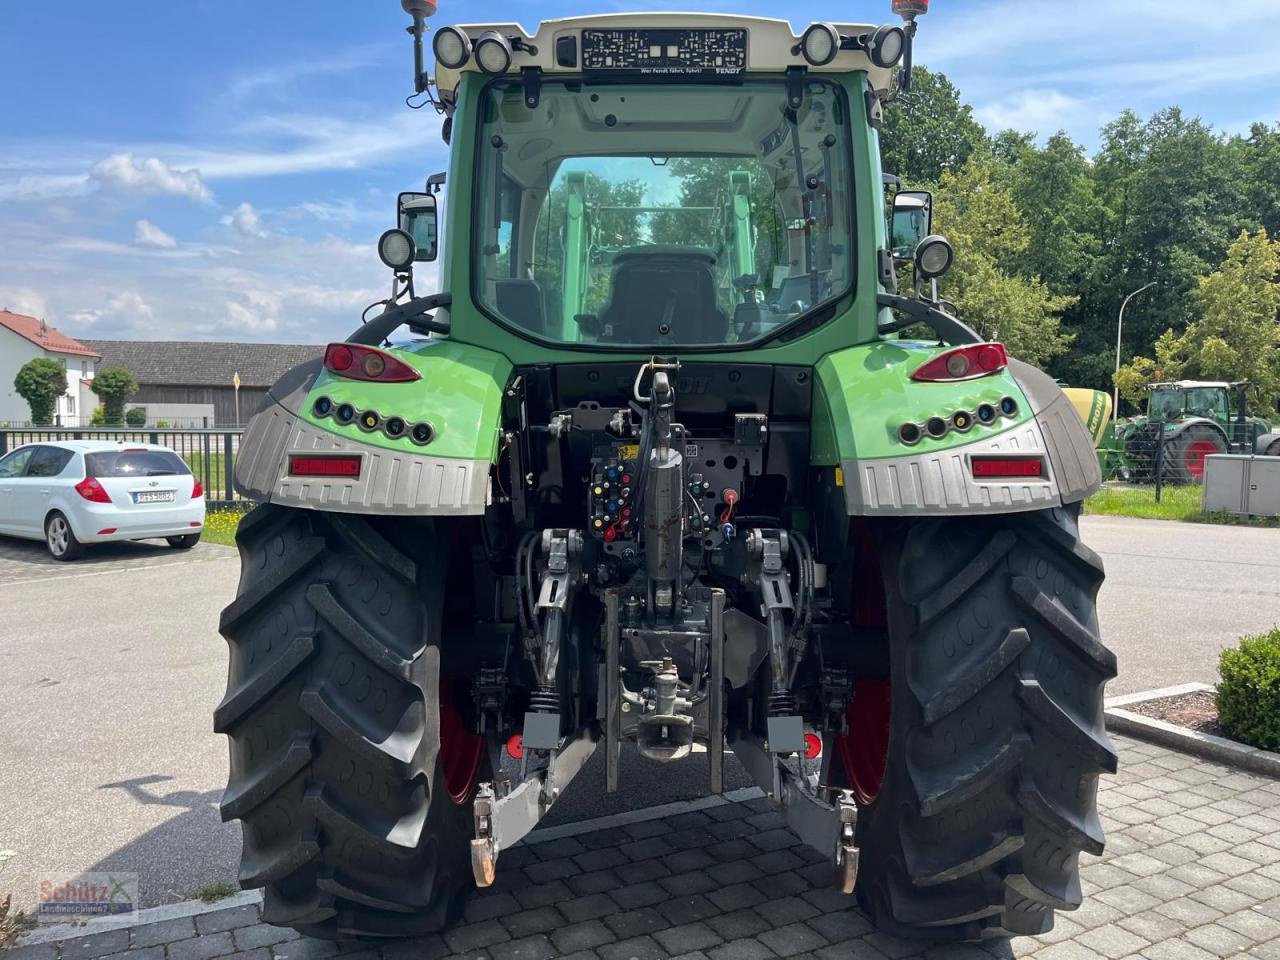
(1236, 336)
(929, 131)
(983, 223)
(40, 382)
(114, 385)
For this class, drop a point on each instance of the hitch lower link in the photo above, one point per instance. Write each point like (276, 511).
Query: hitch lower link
(504, 814)
(827, 825)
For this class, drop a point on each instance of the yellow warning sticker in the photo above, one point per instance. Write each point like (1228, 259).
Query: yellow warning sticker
(629, 452)
(839, 476)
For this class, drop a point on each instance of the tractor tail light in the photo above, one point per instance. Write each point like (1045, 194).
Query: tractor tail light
(356, 362)
(1007, 468)
(964, 363)
(812, 746)
(92, 490)
(344, 466)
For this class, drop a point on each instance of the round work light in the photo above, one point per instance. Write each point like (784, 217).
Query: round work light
(395, 247)
(493, 52)
(452, 48)
(933, 257)
(886, 46)
(820, 44)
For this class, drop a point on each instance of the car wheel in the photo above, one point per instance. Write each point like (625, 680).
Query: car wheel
(184, 542)
(60, 538)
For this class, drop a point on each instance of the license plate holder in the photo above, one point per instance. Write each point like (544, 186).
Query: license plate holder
(153, 496)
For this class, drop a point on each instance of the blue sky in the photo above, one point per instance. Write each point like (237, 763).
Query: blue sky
(222, 168)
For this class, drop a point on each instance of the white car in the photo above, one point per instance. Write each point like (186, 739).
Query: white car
(70, 493)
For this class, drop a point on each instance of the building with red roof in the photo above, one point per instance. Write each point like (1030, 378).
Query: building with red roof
(24, 338)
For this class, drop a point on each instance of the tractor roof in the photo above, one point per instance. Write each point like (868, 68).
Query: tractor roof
(1191, 384)
(770, 43)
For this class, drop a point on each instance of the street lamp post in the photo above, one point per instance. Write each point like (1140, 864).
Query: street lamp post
(1115, 402)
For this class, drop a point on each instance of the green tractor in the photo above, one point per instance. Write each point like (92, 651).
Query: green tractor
(1197, 419)
(657, 470)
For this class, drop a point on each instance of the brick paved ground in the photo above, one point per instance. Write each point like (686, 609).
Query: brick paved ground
(1191, 871)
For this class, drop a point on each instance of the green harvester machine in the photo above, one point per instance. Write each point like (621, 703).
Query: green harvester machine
(667, 464)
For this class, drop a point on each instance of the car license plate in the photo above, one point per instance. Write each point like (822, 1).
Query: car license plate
(153, 496)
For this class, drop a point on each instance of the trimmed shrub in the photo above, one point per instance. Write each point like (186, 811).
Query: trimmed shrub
(136, 416)
(1249, 692)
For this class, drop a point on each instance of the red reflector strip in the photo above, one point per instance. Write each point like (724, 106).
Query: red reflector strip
(195, 523)
(106, 531)
(990, 468)
(344, 466)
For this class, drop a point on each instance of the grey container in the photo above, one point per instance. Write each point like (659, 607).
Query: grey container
(1243, 485)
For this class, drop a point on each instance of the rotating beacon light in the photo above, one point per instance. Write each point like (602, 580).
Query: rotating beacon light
(420, 10)
(908, 10)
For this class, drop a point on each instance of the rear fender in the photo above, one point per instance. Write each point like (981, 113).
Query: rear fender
(1265, 443)
(863, 395)
(459, 396)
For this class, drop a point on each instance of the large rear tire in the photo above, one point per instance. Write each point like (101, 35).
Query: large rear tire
(995, 727)
(350, 776)
(1184, 454)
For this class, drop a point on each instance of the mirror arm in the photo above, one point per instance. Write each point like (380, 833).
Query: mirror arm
(946, 326)
(411, 312)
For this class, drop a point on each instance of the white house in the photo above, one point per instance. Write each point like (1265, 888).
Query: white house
(25, 338)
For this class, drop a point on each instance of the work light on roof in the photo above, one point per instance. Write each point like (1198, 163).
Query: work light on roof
(820, 44)
(886, 46)
(452, 48)
(493, 52)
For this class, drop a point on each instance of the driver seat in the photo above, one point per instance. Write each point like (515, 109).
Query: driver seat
(656, 285)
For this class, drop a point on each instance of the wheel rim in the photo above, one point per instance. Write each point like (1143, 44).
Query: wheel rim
(58, 535)
(865, 751)
(1196, 452)
(460, 749)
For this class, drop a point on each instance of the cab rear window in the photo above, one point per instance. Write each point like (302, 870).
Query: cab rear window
(134, 463)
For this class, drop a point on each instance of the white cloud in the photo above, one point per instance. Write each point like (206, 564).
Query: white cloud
(122, 171)
(1040, 111)
(125, 312)
(147, 234)
(22, 300)
(245, 220)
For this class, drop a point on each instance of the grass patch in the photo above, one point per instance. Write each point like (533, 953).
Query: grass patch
(213, 892)
(220, 526)
(1176, 503)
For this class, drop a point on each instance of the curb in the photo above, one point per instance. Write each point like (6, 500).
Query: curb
(54, 932)
(1205, 745)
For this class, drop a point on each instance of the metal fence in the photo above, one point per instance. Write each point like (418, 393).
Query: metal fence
(211, 454)
(1149, 456)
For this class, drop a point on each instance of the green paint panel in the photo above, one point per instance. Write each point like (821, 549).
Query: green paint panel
(460, 395)
(864, 393)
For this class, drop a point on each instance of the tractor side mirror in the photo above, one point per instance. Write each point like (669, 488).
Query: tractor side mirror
(416, 215)
(912, 222)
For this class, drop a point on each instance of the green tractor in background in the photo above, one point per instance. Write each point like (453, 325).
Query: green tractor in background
(657, 470)
(1197, 419)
